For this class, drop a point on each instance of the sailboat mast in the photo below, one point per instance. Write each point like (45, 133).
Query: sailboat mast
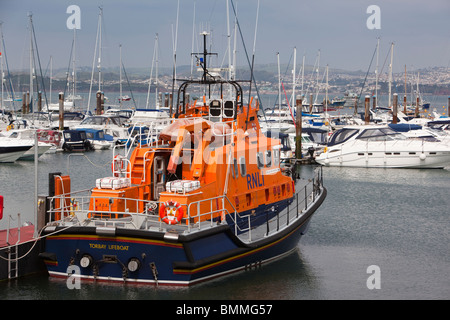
(157, 102)
(120, 75)
(30, 15)
(376, 73)
(279, 87)
(317, 76)
(2, 109)
(99, 65)
(390, 75)
(294, 77)
(51, 77)
(230, 71)
(74, 75)
(303, 73)
(326, 95)
(93, 60)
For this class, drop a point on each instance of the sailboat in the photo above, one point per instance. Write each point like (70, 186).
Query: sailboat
(206, 199)
(69, 103)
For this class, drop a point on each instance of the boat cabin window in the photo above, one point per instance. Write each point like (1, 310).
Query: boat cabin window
(379, 134)
(243, 166)
(93, 121)
(215, 108)
(90, 135)
(276, 157)
(268, 158)
(234, 168)
(342, 135)
(260, 160)
(228, 109)
(306, 139)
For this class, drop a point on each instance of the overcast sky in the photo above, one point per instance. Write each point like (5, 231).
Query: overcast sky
(420, 30)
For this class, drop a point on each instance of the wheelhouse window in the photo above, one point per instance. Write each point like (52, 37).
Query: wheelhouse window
(276, 156)
(268, 158)
(243, 166)
(234, 168)
(260, 160)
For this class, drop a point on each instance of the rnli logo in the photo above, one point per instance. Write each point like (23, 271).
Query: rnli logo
(171, 212)
(254, 180)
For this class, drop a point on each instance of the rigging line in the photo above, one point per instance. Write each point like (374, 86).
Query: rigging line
(385, 60)
(290, 110)
(7, 68)
(93, 61)
(128, 81)
(68, 68)
(284, 75)
(40, 68)
(175, 40)
(248, 59)
(367, 73)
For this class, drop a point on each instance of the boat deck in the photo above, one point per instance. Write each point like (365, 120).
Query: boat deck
(276, 218)
(16, 236)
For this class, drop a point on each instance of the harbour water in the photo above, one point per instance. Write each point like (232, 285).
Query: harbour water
(394, 219)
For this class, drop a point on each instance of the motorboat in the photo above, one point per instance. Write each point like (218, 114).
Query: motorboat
(53, 137)
(28, 137)
(12, 149)
(382, 147)
(75, 141)
(98, 139)
(154, 119)
(113, 125)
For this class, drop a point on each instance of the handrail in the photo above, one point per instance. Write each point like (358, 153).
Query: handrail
(82, 207)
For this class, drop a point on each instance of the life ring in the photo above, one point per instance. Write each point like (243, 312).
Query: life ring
(117, 165)
(171, 212)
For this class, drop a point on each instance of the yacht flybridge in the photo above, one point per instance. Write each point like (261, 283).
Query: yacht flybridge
(204, 198)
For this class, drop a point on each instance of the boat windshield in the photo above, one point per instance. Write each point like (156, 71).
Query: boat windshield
(100, 120)
(380, 134)
(342, 135)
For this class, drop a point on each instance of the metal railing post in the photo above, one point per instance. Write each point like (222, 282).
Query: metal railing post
(306, 199)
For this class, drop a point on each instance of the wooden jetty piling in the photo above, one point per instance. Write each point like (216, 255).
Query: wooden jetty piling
(394, 109)
(61, 111)
(404, 104)
(448, 106)
(367, 112)
(39, 101)
(100, 98)
(416, 113)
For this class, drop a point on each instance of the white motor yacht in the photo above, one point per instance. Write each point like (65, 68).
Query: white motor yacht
(12, 149)
(26, 136)
(382, 147)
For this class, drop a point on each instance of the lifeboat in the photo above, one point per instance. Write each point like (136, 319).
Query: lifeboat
(204, 198)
